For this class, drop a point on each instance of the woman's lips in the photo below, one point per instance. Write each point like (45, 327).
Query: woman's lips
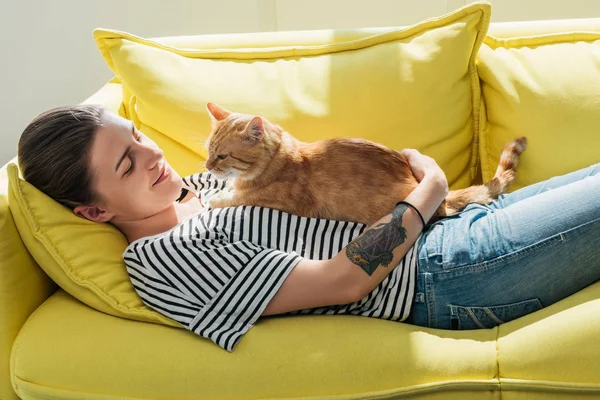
(166, 171)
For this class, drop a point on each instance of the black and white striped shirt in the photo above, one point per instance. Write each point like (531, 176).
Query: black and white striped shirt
(216, 271)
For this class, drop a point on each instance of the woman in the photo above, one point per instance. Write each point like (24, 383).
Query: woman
(217, 271)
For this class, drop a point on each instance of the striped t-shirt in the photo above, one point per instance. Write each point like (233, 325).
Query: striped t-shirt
(216, 271)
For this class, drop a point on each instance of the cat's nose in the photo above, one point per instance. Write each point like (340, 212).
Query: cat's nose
(210, 164)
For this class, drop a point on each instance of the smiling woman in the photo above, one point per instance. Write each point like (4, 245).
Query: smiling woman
(100, 166)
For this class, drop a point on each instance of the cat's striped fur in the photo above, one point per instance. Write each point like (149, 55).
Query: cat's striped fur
(340, 179)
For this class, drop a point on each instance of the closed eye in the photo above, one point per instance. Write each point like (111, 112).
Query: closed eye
(138, 137)
(130, 169)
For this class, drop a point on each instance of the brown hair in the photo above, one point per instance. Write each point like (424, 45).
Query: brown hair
(54, 152)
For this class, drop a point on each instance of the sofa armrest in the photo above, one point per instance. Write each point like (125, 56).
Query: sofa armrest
(24, 286)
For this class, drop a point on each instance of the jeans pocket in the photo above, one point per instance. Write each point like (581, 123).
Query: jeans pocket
(481, 317)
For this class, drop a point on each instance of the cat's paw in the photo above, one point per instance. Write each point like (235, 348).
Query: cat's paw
(229, 185)
(221, 199)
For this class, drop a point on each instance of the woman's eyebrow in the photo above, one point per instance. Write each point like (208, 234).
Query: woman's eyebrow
(127, 150)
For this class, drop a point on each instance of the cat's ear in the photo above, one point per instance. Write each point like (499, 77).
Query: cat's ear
(216, 112)
(254, 131)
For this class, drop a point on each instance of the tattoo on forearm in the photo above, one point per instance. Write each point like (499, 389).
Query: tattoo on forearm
(375, 247)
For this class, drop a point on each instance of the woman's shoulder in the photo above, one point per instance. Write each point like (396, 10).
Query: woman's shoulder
(186, 231)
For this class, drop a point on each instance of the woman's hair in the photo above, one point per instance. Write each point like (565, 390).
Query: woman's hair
(54, 152)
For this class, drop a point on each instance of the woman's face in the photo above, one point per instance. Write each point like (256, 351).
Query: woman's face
(129, 174)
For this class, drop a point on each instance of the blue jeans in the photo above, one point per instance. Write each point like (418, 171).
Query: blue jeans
(527, 250)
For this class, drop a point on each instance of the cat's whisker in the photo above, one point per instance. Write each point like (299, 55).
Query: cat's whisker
(201, 165)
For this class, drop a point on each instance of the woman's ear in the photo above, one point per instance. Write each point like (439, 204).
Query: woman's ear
(93, 213)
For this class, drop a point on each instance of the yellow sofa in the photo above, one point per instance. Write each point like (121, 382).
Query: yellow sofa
(53, 346)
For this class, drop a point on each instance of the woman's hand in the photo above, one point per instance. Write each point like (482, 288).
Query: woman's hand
(433, 185)
(421, 164)
(424, 166)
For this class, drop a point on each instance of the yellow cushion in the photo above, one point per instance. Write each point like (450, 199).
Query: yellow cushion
(544, 87)
(549, 354)
(81, 256)
(340, 357)
(403, 87)
(554, 349)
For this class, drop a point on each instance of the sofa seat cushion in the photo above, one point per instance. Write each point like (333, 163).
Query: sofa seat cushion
(554, 351)
(67, 350)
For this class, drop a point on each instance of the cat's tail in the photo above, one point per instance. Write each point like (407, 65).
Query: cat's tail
(484, 194)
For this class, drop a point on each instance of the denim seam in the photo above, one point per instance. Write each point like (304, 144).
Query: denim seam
(515, 304)
(492, 316)
(474, 318)
(515, 255)
(430, 299)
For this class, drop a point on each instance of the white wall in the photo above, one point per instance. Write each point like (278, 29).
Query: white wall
(48, 57)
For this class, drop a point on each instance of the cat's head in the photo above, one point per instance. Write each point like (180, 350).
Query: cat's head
(239, 145)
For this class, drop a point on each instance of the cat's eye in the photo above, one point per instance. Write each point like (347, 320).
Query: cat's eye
(222, 156)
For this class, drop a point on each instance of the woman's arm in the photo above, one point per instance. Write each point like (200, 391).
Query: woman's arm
(368, 259)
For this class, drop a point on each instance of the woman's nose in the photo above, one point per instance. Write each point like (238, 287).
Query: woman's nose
(155, 156)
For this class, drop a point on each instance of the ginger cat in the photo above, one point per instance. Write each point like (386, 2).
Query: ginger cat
(340, 179)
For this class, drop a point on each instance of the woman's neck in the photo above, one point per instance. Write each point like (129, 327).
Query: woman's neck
(162, 221)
